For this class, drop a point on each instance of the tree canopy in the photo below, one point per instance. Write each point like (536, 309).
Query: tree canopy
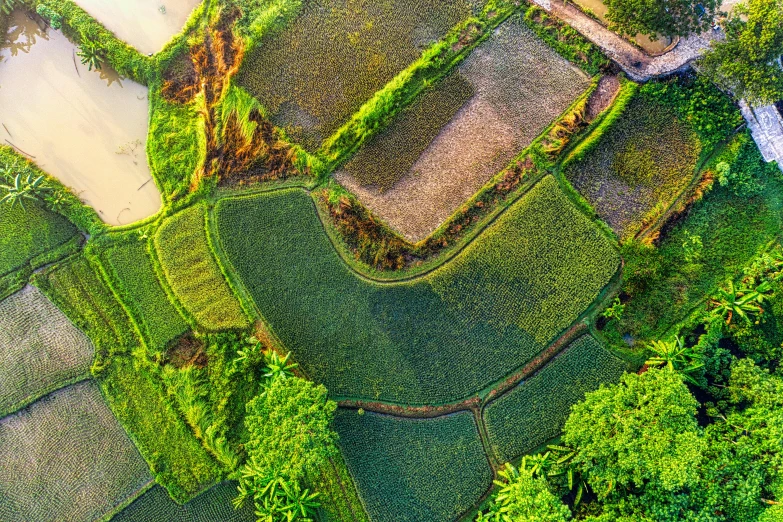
(656, 18)
(747, 62)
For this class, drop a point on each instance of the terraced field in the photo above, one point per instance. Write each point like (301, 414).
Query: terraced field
(40, 350)
(431, 340)
(314, 73)
(519, 85)
(66, 458)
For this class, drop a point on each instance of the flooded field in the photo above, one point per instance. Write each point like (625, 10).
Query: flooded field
(598, 8)
(87, 128)
(145, 24)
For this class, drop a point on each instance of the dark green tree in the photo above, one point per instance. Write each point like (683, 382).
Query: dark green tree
(660, 18)
(747, 62)
(522, 496)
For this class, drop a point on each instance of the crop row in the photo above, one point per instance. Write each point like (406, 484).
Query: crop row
(66, 458)
(537, 408)
(214, 505)
(131, 268)
(638, 166)
(408, 470)
(434, 339)
(318, 70)
(193, 273)
(40, 350)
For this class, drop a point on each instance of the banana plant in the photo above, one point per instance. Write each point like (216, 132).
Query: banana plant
(565, 467)
(278, 367)
(22, 188)
(7, 6)
(675, 356)
(742, 302)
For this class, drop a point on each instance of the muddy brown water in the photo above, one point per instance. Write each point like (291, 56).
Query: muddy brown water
(86, 128)
(147, 25)
(599, 9)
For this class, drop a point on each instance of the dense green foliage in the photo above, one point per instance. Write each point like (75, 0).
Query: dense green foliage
(665, 282)
(137, 287)
(175, 457)
(390, 154)
(747, 62)
(672, 18)
(293, 71)
(537, 408)
(40, 350)
(29, 231)
(408, 470)
(66, 458)
(523, 497)
(213, 505)
(192, 272)
(433, 339)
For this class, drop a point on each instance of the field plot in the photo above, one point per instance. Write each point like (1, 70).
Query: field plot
(193, 273)
(66, 458)
(430, 340)
(409, 470)
(316, 72)
(214, 505)
(27, 232)
(131, 267)
(521, 85)
(77, 289)
(638, 166)
(537, 408)
(145, 24)
(40, 349)
(86, 128)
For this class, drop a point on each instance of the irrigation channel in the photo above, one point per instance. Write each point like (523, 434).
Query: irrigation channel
(86, 128)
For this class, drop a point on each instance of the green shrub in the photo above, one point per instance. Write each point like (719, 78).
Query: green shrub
(192, 272)
(431, 339)
(137, 287)
(176, 458)
(535, 411)
(409, 470)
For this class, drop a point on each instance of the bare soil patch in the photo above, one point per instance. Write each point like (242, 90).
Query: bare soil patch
(602, 97)
(520, 86)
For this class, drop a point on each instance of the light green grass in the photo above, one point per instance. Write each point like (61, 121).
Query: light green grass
(537, 408)
(411, 470)
(193, 273)
(434, 339)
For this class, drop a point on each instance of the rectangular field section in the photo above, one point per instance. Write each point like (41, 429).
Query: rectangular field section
(313, 74)
(436, 338)
(40, 349)
(410, 470)
(66, 458)
(535, 411)
(519, 85)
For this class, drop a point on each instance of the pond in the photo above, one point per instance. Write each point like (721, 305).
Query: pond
(86, 128)
(598, 8)
(147, 25)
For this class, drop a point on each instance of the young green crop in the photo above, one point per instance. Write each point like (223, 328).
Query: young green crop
(433, 339)
(537, 408)
(131, 267)
(409, 470)
(193, 274)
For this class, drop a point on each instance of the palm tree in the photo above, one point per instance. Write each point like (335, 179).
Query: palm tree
(277, 366)
(740, 302)
(675, 357)
(90, 54)
(23, 187)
